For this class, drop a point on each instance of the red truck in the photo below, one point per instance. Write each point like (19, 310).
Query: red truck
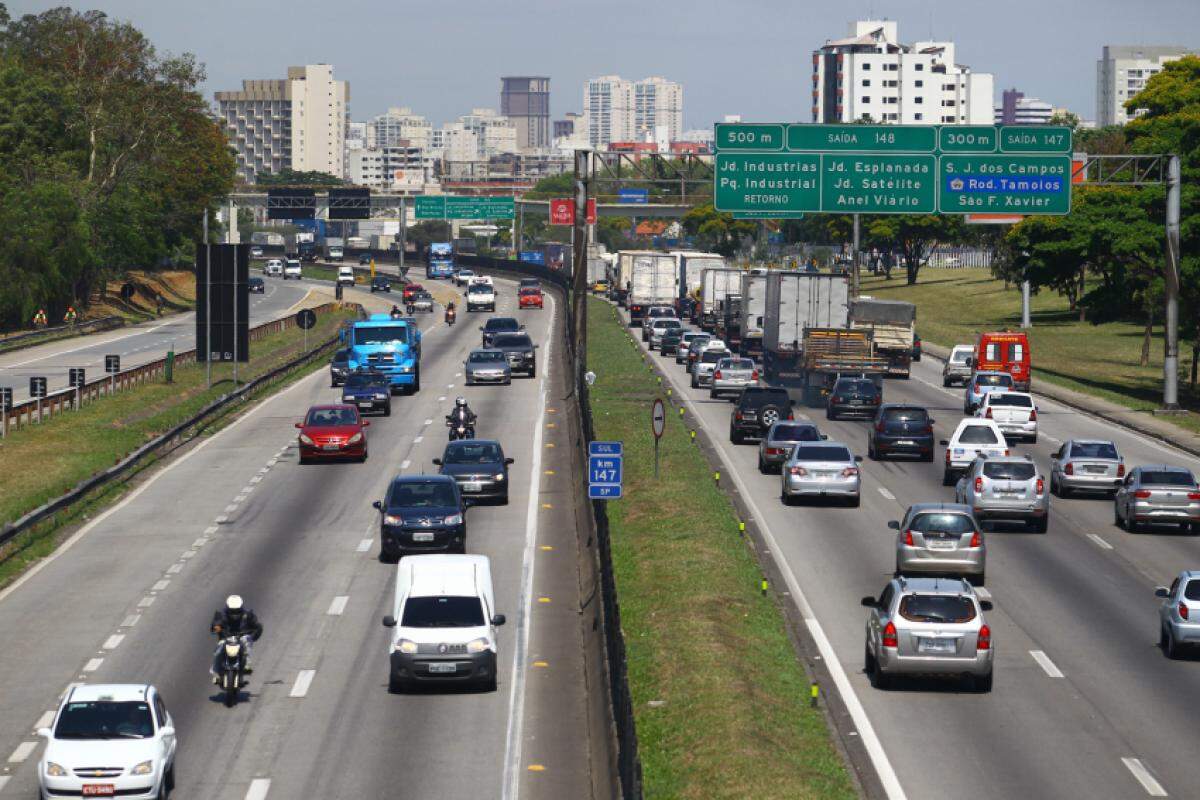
(1004, 351)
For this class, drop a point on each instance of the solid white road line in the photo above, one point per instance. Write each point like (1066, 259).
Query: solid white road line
(365, 545)
(258, 789)
(4, 779)
(175, 568)
(338, 605)
(23, 751)
(1045, 663)
(887, 495)
(146, 602)
(1143, 776)
(203, 540)
(88, 345)
(113, 642)
(1096, 538)
(303, 680)
(93, 665)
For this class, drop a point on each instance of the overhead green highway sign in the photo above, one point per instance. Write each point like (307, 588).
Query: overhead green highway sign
(1013, 184)
(453, 207)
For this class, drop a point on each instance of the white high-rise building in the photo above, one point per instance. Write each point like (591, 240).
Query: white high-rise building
(617, 110)
(495, 133)
(871, 75)
(1122, 72)
(399, 124)
(298, 123)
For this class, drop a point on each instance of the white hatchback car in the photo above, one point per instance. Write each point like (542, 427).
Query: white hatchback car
(972, 438)
(109, 740)
(274, 267)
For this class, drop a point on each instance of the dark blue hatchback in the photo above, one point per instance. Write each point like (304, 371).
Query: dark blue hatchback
(421, 514)
(901, 430)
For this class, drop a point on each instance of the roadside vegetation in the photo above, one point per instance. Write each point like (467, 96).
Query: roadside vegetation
(71, 447)
(720, 698)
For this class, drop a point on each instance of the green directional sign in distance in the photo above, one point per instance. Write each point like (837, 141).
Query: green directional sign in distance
(480, 208)
(1014, 184)
(767, 182)
(862, 138)
(752, 215)
(430, 207)
(879, 184)
(967, 138)
(1035, 139)
(739, 136)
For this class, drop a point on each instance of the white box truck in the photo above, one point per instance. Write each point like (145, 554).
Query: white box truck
(796, 301)
(691, 278)
(717, 284)
(652, 282)
(753, 313)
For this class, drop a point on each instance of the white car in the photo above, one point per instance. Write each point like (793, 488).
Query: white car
(481, 297)
(1014, 412)
(463, 276)
(345, 276)
(481, 280)
(274, 267)
(109, 740)
(291, 269)
(256, 252)
(972, 438)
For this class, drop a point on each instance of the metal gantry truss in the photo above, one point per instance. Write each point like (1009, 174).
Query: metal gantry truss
(685, 170)
(1123, 170)
(381, 204)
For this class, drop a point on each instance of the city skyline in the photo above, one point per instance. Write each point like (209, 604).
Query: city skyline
(713, 53)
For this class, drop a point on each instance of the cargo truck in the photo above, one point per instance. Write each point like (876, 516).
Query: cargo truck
(441, 260)
(891, 324)
(715, 285)
(728, 327)
(796, 301)
(334, 248)
(652, 282)
(830, 353)
(753, 309)
(623, 273)
(691, 278)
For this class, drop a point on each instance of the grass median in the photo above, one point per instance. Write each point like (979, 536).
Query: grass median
(41, 462)
(953, 305)
(720, 699)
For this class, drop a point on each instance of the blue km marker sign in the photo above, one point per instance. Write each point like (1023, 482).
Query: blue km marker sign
(605, 470)
(633, 196)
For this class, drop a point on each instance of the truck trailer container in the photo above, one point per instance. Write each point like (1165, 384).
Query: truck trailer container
(796, 301)
(715, 285)
(652, 282)
(753, 312)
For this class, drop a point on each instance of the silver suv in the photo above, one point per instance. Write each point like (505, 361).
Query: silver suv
(1006, 488)
(928, 626)
(1177, 629)
(940, 539)
(705, 365)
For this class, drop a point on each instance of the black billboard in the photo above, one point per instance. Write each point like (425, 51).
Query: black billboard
(349, 203)
(291, 204)
(227, 270)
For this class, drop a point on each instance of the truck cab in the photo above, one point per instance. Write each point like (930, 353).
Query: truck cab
(1004, 351)
(389, 346)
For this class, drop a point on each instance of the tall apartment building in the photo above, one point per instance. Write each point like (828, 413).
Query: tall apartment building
(398, 167)
(399, 124)
(569, 125)
(1017, 109)
(1122, 72)
(871, 75)
(297, 123)
(495, 133)
(617, 110)
(526, 101)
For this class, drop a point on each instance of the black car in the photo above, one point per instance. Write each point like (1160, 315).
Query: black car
(364, 259)
(496, 325)
(756, 409)
(368, 391)
(669, 343)
(339, 367)
(256, 286)
(478, 466)
(421, 514)
(381, 283)
(519, 349)
(901, 430)
(858, 396)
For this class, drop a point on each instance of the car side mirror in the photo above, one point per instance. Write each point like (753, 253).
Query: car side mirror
(869, 602)
(985, 605)
(377, 505)
(166, 730)
(1162, 591)
(824, 436)
(437, 462)
(498, 619)
(299, 424)
(944, 442)
(509, 460)
(858, 459)
(389, 621)
(932, 422)
(894, 524)
(44, 733)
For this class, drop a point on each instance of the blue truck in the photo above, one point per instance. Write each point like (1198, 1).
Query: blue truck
(441, 260)
(389, 346)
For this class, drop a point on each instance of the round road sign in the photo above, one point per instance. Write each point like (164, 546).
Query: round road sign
(306, 318)
(658, 418)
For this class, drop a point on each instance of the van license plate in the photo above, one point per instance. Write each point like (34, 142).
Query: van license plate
(443, 668)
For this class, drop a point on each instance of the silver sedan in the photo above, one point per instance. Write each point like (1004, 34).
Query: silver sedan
(1158, 494)
(731, 376)
(1086, 465)
(776, 446)
(821, 469)
(486, 366)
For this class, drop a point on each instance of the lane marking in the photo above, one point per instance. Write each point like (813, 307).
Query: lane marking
(203, 540)
(887, 495)
(1096, 538)
(256, 479)
(23, 751)
(43, 721)
(365, 545)
(146, 602)
(258, 789)
(428, 422)
(93, 665)
(338, 605)
(418, 440)
(303, 680)
(175, 568)
(1143, 776)
(113, 642)
(187, 554)
(1045, 663)
(404, 464)
(160, 585)
(440, 399)
(131, 620)
(221, 520)
(5, 778)
(229, 509)
(211, 529)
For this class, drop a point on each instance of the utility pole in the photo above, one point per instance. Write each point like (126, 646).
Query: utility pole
(207, 306)
(1171, 333)
(517, 240)
(854, 258)
(579, 276)
(1025, 321)
(403, 233)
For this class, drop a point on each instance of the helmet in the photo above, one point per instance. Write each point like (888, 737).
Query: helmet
(234, 606)
(460, 401)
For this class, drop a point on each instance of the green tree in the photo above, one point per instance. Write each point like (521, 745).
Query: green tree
(913, 236)
(717, 231)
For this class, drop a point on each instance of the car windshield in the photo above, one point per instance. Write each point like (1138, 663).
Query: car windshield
(859, 386)
(936, 608)
(1094, 450)
(1006, 399)
(383, 334)
(479, 288)
(442, 612)
(978, 434)
(1009, 470)
(501, 324)
(795, 433)
(531, 291)
(422, 494)
(472, 453)
(906, 415)
(105, 719)
(329, 417)
(756, 394)
(486, 357)
(960, 356)
(1162, 477)
(817, 453)
(359, 380)
(512, 340)
(993, 380)
(942, 522)
(737, 363)
(663, 324)
(712, 356)
(341, 355)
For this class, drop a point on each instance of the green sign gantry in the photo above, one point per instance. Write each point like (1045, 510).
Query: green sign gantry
(453, 207)
(777, 169)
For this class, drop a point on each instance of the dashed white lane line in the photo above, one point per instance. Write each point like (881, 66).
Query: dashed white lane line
(23, 751)
(428, 422)
(1099, 542)
(339, 604)
(272, 462)
(131, 620)
(1046, 664)
(303, 680)
(43, 721)
(175, 568)
(229, 509)
(211, 529)
(258, 789)
(187, 554)
(440, 399)
(449, 385)
(256, 479)
(203, 540)
(113, 642)
(458, 374)
(418, 440)
(365, 545)
(264, 470)
(1143, 776)
(884, 491)
(160, 585)
(93, 664)
(221, 520)
(5, 778)
(146, 602)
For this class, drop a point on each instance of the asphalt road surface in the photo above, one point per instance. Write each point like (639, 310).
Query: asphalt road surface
(1084, 705)
(129, 598)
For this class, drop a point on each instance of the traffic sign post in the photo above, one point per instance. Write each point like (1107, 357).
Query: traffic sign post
(605, 470)
(658, 421)
(112, 365)
(305, 319)
(5, 407)
(76, 377)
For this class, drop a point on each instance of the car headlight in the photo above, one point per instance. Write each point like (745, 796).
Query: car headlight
(406, 646)
(453, 519)
(347, 398)
(381, 396)
(393, 519)
(144, 768)
(305, 440)
(499, 476)
(55, 770)
(355, 439)
(406, 370)
(478, 645)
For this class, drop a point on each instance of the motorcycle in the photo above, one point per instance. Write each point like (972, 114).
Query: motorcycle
(450, 316)
(231, 668)
(460, 430)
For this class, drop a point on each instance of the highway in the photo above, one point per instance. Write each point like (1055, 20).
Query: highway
(129, 597)
(1084, 704)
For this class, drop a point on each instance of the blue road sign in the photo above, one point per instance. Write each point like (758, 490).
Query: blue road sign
(605, 470)
(605, 449)
(634, 196)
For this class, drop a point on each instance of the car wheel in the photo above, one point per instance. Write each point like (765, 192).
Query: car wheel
(1169, 646)
(695, 385)
(855, 501)
(785, 498)
(303, 460)
(983, 683)
(872, 453)
(533, 372)
(735, 436)
(1042, 524)
(947, 478)
(879, 680)
(945, 382)
(394, 686)
(978, 580)
(769, 416)
(712, 394)
(762, 465)
(387, 410)
(1033, 439)
(416, 387)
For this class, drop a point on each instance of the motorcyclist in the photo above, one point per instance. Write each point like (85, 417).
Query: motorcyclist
(451, 313)
(235, 620)
(396, 311)
(462, 414)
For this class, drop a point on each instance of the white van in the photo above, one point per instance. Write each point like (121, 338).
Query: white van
(274, 267)
(345, 276)
(443, 622)
(292, 269)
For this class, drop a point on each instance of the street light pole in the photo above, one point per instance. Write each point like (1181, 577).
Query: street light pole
(1171, 356)
(207, 306)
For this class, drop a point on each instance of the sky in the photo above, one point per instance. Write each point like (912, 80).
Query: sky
(746, 57)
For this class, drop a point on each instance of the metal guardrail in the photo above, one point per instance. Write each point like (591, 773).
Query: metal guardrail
(123, 466)
(32, 338)
(68, 399)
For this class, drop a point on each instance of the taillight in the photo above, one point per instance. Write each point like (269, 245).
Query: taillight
(774, 451)
(1033, 415)
(1120, 470)
(989, 413)
(908, 540)
(1183, 610)
(754, 375)
(984, 640)
(976, 540)
(835, 400)
(849, 472)
(928, 428)
(717, 375)
(1142, 494)
(1193, 495)
(737, 415)
(1069, 469)
(889, 638)
(1041, 486)
(791, 416)
(1007, 452)
(798, 471)
(978, 485)
(947, 456)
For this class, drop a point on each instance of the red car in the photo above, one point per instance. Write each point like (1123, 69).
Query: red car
(530, 298)
(332, 432)
(409, 289)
